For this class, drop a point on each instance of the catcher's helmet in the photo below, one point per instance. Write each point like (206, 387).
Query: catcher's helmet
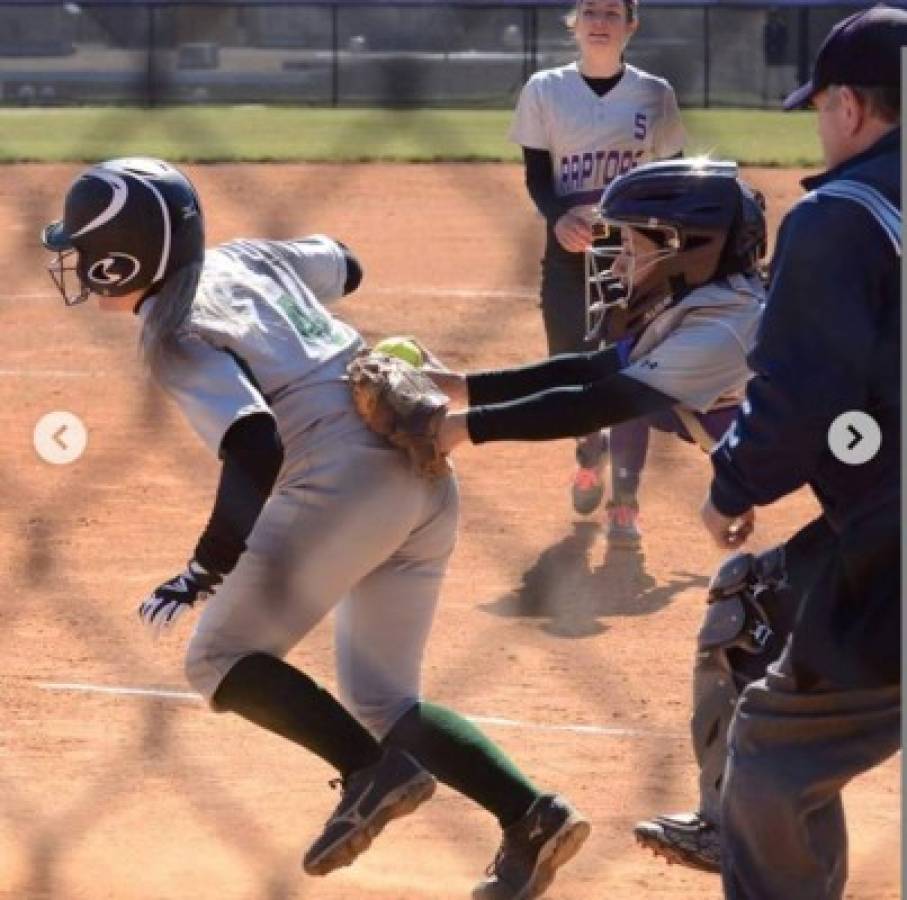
(130, 223)
(705, 222)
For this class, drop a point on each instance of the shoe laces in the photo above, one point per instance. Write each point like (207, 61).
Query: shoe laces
(492, 868)
(623, 516)
(586, 479)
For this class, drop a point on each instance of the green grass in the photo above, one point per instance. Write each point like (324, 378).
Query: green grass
(262, 134)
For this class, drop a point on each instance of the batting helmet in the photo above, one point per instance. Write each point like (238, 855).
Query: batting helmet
(705, 222)
(129, 223)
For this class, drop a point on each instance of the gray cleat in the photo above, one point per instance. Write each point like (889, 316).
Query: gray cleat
(622, 525)
(534, 848)
(390, 788)
(587, 490)
(683, 838)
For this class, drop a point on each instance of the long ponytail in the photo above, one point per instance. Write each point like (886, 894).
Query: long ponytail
(193, 297)
(170, 313)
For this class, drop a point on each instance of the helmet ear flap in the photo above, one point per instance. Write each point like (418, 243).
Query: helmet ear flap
(750, 236)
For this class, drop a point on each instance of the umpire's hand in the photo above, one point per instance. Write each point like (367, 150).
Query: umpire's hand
(168, 602)
(727, 533)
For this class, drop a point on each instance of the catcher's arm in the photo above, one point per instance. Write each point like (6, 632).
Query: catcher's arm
(503, 385)
(562, 412)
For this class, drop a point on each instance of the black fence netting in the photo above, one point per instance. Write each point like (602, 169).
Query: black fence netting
(403, 54)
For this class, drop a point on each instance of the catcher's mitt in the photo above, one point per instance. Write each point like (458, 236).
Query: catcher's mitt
(400, 402)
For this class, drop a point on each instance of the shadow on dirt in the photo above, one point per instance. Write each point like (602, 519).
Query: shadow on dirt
(572, 593)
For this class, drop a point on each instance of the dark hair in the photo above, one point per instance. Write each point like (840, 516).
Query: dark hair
(883, 101)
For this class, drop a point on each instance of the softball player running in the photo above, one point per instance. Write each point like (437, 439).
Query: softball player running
(679, 326)
(581, 126)
(313, 513)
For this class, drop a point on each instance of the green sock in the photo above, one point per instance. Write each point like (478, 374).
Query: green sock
(275, 696)
(457, 753)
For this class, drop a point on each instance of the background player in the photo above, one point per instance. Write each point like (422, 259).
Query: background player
(581, 126)
(692, 235)
(312, 512)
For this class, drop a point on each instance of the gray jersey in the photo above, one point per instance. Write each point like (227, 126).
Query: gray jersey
(260, 338)
(594, 139)
(696, 351)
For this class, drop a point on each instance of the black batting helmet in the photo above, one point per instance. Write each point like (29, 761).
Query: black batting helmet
(130, 224)
(706, 222)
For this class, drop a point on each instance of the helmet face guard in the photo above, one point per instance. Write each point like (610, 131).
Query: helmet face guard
(616, 274)
(704, 222)
(64, 274)
(127, 224)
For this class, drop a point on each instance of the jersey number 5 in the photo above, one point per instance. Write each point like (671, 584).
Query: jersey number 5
(640, 129)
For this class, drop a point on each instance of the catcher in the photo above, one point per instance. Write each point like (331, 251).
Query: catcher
(314, 512)
(677, 305)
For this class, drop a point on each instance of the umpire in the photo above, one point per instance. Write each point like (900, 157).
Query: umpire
(828, 345)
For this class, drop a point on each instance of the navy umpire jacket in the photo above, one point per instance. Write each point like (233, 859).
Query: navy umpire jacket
(829, 342)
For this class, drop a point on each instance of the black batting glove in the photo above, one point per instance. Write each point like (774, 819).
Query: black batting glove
(168, 602)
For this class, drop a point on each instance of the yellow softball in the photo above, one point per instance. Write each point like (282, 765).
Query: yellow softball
(403, 348)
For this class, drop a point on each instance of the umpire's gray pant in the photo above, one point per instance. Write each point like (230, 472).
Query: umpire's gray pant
(789, 756)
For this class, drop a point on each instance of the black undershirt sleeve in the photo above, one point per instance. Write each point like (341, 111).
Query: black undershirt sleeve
(353, 269)
(539, 184)
(566, 370)
(568, 411)
(253, 454)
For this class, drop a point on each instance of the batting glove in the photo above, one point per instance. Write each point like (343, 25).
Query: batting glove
(167, 603)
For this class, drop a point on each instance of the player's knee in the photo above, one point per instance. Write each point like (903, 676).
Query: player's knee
(379, 714)
(205, 667)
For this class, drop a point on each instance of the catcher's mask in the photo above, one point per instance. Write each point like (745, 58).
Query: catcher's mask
(700, 222)
(127, 224)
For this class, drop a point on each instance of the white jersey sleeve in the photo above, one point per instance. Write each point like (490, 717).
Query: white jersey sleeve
(318, 261)
(528, 126)
(670, 136)
(211, 389)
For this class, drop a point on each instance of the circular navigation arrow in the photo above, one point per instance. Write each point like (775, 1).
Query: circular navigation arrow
(60, 438)
(854, 437)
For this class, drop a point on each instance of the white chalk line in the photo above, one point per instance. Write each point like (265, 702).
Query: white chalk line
(457, 293)
(478, 293)
(412, 290)
(191, 697)
(58, 373)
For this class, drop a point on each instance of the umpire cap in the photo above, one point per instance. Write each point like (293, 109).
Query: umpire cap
(863, 50)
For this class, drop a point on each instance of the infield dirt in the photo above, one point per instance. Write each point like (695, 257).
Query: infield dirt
(586, 652)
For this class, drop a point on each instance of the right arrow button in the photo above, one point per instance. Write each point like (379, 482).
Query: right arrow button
(854, 437)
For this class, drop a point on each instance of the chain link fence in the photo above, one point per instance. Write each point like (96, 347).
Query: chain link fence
(400, 53)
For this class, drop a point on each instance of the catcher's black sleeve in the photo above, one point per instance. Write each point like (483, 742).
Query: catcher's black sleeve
(253, 454)
(566, 370)
(566, 411)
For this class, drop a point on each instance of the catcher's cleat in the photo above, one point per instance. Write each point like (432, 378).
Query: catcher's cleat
(393, 787)
(534, 848)
(684, 838)
(588, 490)
(623, 525)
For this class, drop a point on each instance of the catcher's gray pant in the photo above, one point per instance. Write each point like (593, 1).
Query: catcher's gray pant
(790, 754)
(353, 528)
